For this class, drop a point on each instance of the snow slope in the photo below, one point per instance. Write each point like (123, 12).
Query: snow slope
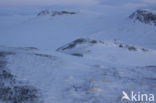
(63, 78)
(105, 23)
(113, 55)
(113, 52)
(48, 32)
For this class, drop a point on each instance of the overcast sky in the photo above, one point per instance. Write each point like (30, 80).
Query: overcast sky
(73, 2)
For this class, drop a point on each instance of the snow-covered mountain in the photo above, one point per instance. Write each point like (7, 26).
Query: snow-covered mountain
(54, 13)
(33, 75)
(111, 51)
(145, 16)
(78, 55)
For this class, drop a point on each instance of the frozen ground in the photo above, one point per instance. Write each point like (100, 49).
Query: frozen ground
(89, 57)
(66, 79)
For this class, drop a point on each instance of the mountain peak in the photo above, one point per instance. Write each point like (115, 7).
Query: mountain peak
(144, 15)
(55, 13)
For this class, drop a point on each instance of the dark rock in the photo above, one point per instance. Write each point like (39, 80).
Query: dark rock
(18, 94)
(121, 46)
(77, 42)
(86, 42)
(55, 13)
(4, 53)
(131, 48)
(5, 74)
(77, 54)
(74, 43)
(43, 55)
(145, 16)
(93, 41)
(12, 90)
(145, 50)
(30, 48)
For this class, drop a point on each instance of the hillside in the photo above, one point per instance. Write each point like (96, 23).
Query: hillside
(76, 55)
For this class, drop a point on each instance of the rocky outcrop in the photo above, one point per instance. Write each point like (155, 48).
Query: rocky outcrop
(82, 46)
(145, 16)
(78, 47)
(55, 13)
(13, 90)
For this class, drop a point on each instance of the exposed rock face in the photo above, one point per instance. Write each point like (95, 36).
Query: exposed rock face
(145, 16)
(82, 46)
(78, 42)
(78, 47)
(55, 13)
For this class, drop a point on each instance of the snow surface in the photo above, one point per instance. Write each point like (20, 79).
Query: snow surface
(66, 79)
(103, 71)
